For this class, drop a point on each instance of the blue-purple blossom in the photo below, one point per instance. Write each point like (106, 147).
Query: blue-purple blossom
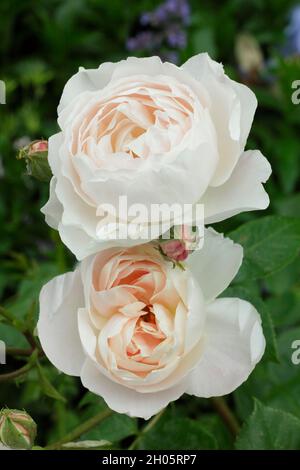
(170, 56)
(293, 33)
(143, 40)
(179, 8)
(176, 37)
(162, 31)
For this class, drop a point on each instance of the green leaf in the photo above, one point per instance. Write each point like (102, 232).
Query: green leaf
(92, 401)
(46, 385)
(289, 205)
(29, 289)
(269, 429)
(285, 308)
(271, 352)
(12, 337)
(288, 164)
(213, 424)
(178, 433)
(276, 385)
(283, 295)
(283, 281)
(114, 428)
(270, 243)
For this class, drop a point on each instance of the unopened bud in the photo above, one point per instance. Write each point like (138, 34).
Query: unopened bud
(175, 250)
(36, 157)
(184, 240)
(17, 429)
(248, 54)
(188, 234)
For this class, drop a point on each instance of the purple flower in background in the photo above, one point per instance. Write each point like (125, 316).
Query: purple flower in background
(176, 37)
(162, 31)
(179, 8)
(171, 56)
(144, 40)
(293, 33)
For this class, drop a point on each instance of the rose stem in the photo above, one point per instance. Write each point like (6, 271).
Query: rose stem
(226, 414)
(81, 429)
(147, 428)
(7, 315)
(17, 373)
(21, 352)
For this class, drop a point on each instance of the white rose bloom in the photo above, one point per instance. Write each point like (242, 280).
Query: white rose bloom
(140, 333)
(156, 133)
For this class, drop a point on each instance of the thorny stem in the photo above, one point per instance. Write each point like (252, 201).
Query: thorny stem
(147, 428)
(81, 429)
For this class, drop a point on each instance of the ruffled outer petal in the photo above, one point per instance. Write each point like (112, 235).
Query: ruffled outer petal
(234, 345)
(125, 400)
(215, 264)
(232, 103)
(242, 192)
(57, 327)
(53, 209)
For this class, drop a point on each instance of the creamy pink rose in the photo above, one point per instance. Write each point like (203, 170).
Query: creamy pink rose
(158, 134)
(140, 333)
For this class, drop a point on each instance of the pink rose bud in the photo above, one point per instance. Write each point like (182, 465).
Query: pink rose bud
(38, 146)
(175, 250)
(188, 235)
(185, 239)
(17, 429)
(36, 157)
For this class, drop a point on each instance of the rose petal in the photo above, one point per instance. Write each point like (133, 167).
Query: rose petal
(86, 79)
(53, 209)
(231, 103)
(234, 345)
(215, 264)
(57, 327)
(125, 400)
(242, 192)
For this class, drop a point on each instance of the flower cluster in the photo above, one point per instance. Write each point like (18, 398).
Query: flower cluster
(162, 31)
(138, 329)
(293, 33)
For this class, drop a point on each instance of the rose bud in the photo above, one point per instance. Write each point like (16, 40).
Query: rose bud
(17, 429)
(188, 234)
(36, 157)
(184, 240)
(175, 250)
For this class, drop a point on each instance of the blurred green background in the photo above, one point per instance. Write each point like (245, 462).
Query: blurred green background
(42, 44)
